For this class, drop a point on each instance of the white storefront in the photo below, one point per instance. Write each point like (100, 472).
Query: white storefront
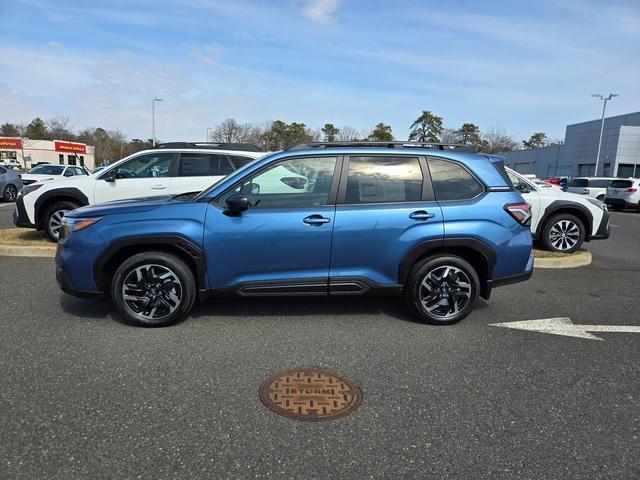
(29, 152)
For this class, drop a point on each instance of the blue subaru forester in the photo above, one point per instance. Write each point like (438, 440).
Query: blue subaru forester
(433, 222)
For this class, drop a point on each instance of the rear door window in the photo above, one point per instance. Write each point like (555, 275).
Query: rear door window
(451, 181)
(579, 182)
(383, 179)
(195, 164)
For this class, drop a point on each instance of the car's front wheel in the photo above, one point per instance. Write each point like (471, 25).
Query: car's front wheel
(442, 290)
(563, 233)
(153, 289)
(10, 193)
(53, 218)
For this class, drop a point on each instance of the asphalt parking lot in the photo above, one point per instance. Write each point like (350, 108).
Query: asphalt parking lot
(85, 396)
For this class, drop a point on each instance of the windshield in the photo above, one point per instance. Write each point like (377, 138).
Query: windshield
(238, 172)
(47, 170)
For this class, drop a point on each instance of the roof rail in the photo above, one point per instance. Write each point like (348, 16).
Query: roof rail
(246, 147)
(394, 144)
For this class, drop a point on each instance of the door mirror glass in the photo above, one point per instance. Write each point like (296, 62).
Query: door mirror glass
(237, 203)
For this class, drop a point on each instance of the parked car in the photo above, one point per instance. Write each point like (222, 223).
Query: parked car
(173, 168)
(594, 187)
(624, 193)
(49, 171)
(561, 221)
(440, 226)
(10, 184)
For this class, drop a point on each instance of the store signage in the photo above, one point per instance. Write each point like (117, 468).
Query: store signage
(69, 147)
(11, 143)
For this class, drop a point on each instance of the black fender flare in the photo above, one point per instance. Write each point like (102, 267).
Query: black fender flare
(565, 205)
(428, 246)
(174, 241)
(66, 193)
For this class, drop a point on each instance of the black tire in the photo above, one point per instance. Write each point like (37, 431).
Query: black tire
(563, 233)
(433, 299)
(173, 297)
(52, 219)
(617, 208)
(10, 193)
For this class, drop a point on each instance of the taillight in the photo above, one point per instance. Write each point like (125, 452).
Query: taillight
(521, 212)
(632, 190)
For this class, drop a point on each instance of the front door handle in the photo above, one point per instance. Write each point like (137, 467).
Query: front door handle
(316, 220)
(421, 215)
(159, 187)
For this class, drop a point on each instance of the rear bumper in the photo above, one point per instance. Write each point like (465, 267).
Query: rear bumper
(620, 202)
(517, 278)
(20, 217)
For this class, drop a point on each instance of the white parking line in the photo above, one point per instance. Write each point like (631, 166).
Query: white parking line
(7, 205)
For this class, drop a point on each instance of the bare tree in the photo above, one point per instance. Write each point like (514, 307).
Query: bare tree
(496, 140)
(349, 134)
(449, 135)
(230, 131)
(59, 128)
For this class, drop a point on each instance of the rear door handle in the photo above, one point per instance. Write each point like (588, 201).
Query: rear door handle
(158, 187)
(421, 215)
(315, 220)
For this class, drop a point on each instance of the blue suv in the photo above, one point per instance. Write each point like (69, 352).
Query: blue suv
(433, 222)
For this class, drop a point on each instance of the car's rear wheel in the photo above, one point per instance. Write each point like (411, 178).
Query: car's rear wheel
(442, 290)
(53, 218)
(153, 289)
(10, 193)
(563, 233)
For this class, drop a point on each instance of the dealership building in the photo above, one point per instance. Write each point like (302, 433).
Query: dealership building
(619, 155)
(29, 152)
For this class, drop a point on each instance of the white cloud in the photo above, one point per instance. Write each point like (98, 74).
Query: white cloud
(320, 11)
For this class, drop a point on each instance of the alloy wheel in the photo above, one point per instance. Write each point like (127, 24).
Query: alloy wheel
(55, 222)
(152, 292)
(564, 235)
(445, 291)
(11, 193)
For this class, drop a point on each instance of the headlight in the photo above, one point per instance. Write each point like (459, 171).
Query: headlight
(597, 203)
(70, 225)
(28, 189)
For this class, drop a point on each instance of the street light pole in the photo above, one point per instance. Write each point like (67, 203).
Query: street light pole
(153, 119)
(604, 108)
(208, 138)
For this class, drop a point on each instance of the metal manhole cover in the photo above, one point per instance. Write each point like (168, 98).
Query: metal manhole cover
(310, 394)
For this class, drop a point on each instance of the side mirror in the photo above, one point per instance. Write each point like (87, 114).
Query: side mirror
(237, 203)
(294, 182)
(523, 188)
(111, 176)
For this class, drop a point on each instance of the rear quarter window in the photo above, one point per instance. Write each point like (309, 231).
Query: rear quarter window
(451, 181)
(579, 182)
(600, 183)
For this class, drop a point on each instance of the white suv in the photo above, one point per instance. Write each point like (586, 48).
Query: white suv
(594, 187)
(562, 221)
(624, 193)
(49, 171)
(169, 169)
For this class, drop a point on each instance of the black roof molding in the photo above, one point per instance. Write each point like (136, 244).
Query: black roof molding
(394, 144)
(246, 147)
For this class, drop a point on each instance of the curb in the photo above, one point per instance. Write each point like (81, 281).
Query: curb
(581, 259)
(27, 251)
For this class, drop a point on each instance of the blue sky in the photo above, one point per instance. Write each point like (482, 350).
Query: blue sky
(523, 66)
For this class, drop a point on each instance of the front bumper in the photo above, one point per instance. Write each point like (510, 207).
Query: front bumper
(20, 217)
(603, 231)
(65, 281)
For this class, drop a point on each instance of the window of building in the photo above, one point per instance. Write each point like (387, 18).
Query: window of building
(586, 169)
(81, 157)
(452, 181)
(61, 159)
(71, 159)
(625, 170)
(383, 179)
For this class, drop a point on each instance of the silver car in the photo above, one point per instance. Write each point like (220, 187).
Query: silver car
(10, 184)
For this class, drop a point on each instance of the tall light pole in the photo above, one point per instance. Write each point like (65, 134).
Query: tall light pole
(604, 107)
(153, 119)
(208, 139)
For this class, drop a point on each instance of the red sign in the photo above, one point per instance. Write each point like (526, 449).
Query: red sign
(70, 147)
(10, 143)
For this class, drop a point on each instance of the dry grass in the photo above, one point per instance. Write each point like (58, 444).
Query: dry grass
(546, 254)
(24, 237)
